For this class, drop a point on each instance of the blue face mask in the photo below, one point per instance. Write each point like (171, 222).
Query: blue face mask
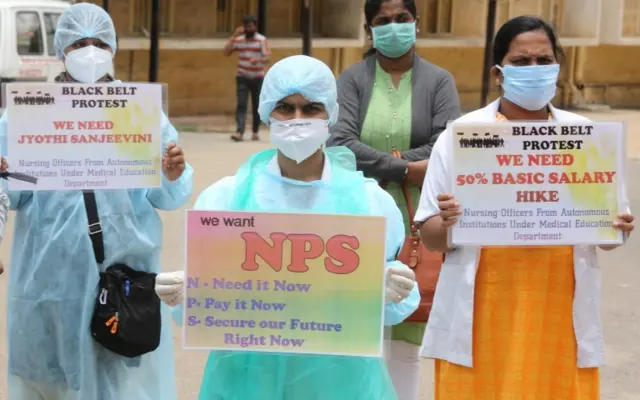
(531, 87)
(395, 39)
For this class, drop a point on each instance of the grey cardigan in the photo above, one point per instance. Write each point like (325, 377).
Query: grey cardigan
(434, 103)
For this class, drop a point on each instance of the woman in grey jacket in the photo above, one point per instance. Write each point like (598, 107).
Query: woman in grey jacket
(395, 99)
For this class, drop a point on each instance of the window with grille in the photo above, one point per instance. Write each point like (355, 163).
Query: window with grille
(229, 14)
(435, 17)
(442, 18)
(284, 18)
(50, 24)
(29, 34)
(550, 10)
(142, 16)
(631, 18)
(316, 18)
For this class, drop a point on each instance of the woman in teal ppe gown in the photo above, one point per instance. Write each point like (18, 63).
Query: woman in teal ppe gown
(300, 177)
(53, 275)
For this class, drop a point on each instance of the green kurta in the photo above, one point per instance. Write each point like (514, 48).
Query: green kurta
(387, 125)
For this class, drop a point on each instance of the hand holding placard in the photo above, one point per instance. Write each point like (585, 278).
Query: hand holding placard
(170, 287)
(86, 136)
(449, 210)
(5, 174)
(255, 288)
(173, 162)
(537, 183)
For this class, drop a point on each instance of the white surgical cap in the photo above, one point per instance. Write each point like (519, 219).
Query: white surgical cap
(82, 21)
(302, 75)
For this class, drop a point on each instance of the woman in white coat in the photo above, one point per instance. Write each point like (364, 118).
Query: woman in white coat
(513, 322)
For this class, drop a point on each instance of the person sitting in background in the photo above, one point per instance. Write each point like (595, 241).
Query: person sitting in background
(254, 56)
(395, 99)
(298, 103)
(54, 274)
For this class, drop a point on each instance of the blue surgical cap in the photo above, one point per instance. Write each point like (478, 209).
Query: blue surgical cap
(302, 75)
(82, 21)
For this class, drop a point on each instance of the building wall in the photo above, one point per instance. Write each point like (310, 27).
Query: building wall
(202, 81)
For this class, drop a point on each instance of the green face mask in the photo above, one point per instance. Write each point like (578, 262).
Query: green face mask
(395, 39)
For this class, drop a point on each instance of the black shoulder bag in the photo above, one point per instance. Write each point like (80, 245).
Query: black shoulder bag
(126, 318)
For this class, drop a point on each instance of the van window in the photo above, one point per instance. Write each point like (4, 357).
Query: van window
(50, 23)
(29, 34)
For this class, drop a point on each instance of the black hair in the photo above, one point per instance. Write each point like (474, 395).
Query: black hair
(249, 18)
(519, 25)
(372, 8)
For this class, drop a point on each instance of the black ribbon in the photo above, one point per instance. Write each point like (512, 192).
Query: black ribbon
(19, 176)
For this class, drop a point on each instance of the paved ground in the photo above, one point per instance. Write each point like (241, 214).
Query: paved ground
(224, 124)
(214, 156)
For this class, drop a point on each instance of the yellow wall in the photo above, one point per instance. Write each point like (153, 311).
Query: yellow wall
(199, 82)
(202, 81)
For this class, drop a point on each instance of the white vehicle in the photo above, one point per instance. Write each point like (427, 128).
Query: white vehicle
(27, 28)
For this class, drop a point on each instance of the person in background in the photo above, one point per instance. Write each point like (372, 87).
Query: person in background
(395, 99)
(298, 103)
(254, 56)
(54, 275)
(513, 322)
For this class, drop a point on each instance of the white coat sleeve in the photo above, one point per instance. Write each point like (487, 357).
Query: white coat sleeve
(437, 180)
(216, 197)
(626, 206)
(394, 313)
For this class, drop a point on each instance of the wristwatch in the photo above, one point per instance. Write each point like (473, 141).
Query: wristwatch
(406, 172)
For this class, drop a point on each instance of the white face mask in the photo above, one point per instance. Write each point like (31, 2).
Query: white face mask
(89, 64)
(298, 139)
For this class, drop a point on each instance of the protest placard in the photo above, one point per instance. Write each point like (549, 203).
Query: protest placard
(537, 183)
(80, 136)
(288, 283)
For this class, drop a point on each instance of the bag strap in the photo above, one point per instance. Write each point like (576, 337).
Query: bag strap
(407, 196)
(19, 176)
(95, 228)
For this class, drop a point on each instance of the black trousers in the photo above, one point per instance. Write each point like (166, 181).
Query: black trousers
(243, 87)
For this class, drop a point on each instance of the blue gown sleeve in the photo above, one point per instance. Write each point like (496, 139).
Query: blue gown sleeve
(171, 195)
(395, 313)
(4, 211)
(215, 197)
(16, 198)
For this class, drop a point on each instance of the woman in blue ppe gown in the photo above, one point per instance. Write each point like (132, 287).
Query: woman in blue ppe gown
(300, 177)
(53, 275)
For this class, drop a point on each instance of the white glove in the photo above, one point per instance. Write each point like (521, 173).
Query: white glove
(398, 285)
(169, 287)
